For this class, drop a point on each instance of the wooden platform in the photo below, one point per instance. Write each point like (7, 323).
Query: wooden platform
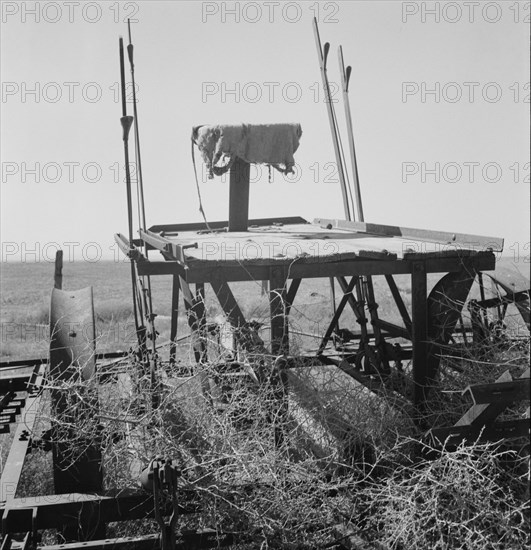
(310, 249)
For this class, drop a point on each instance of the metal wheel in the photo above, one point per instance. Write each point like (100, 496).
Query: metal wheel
(472, 309)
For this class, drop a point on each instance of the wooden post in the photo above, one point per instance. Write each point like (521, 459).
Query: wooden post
(58, 275)
(239, 195)
(419, 306)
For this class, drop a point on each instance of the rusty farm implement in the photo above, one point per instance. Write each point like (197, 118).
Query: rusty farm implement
(450, 305)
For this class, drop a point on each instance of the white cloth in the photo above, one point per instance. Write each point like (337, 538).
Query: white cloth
(272, 144)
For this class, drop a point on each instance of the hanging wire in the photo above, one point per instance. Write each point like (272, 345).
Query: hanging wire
(201, 209)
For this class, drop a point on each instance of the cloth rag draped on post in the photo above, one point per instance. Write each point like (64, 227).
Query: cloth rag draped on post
(271, 144)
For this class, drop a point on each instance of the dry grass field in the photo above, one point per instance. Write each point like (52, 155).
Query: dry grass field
(25, 301)
(354, 470)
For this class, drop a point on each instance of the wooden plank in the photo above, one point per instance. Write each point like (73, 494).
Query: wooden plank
(481, 414)
(6, 365)
(144, 542)
(56, 511)
(205, 538)
(266, 248)
(168, 229)
(254, 249)
(12, 468)
(169, 249)
(500, 392)
(129, 249)
(509, 429)
(474, 242)
(234, 271)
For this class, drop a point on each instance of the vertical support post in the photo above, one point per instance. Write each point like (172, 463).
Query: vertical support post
(239, 195)
(280, 348)
(174, 318)
(201, 354)
(419, 306)
(58, 274)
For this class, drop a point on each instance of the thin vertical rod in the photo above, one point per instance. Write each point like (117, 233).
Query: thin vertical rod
(331, 118)
(345, 77)
(126, 125)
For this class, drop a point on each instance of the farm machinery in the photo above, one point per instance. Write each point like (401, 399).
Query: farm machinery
(449, 306)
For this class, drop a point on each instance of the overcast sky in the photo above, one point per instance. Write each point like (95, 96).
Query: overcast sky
(439, 96)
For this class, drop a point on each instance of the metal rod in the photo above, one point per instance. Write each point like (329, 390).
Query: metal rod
(345, 78)
(146, 288)
(322, 54)
(126, 122)
(137, 133)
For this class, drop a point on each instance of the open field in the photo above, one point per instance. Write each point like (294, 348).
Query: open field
(25, 290)
(352, 462)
